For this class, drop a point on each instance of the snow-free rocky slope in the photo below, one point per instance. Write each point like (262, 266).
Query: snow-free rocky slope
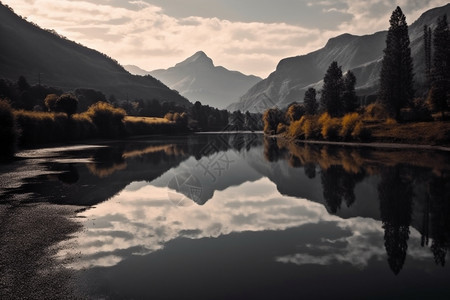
(197, 79)
(361, 54)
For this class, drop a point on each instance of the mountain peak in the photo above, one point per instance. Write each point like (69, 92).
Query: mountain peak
(199, 57)
(340, 40)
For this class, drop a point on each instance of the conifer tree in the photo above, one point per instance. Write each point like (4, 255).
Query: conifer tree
(349, 99)
(310, 102)
(330, 100)
(427, 34)
(396, 76)
(440, 89)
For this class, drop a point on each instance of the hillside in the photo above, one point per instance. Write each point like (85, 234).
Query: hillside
(33, 52)
(361, 54)
(197, 79)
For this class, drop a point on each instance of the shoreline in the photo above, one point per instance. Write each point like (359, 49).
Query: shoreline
(375, 144)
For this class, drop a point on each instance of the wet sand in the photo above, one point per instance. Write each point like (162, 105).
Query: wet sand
(29, 235)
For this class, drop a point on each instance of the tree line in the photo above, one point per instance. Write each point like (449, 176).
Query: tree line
(325, 110)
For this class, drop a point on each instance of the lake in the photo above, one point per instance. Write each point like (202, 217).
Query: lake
(230, 216)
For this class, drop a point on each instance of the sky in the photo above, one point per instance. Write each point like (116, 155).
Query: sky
(250, 36)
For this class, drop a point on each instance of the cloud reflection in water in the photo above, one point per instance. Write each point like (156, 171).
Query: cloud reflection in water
(141, 219)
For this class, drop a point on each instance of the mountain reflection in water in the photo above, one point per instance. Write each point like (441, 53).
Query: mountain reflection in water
(245, 206)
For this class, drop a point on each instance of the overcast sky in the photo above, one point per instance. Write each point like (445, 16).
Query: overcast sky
(250, 36)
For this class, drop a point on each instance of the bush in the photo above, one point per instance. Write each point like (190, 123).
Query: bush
(82, 127)
(349, 122)
(375, 112)
(181, 120)
(330, 127)
(107, 118)
(169, 116)
(50, 102)
(311, 127)
(294, 112)
(41, 127)
(360, 132)
(295, 130)
(142, 127)
(390, 121)
(8, 132)
(281, 128)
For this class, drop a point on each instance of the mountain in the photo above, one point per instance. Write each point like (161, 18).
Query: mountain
(36, 53)
(197, 79)
(361, 54)
(136, 70)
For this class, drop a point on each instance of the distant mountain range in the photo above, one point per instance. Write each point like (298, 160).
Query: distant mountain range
(37, 53)
(197, 79)
(361, 54)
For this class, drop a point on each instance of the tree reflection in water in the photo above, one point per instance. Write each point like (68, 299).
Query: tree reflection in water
(406, 179)
(395, 192)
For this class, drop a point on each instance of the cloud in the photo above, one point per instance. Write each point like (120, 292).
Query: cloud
(249, 36)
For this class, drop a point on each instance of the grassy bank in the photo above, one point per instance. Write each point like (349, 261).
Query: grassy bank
(422, 133)
(369, 125)
(31, 128)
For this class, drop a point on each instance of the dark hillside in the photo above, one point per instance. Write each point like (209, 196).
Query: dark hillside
(33, 52)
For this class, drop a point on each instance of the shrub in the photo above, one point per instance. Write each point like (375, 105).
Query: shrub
(41, 127)
(50, 102)
(311, 127)
(349, 122)
(294, 112)
(82, 127)
(390, 121)
(281, 128)
(107, 118)
(8, 132)
(375, 111)
(330, 127)
(296, 128)
(169, 116)
(360, 132)
(181, 119)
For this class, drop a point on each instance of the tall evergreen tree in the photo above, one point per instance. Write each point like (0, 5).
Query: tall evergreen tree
(310, 102)
(396, 76)
(440, 90)
(427, 33)
(349, 99)
(330, 100)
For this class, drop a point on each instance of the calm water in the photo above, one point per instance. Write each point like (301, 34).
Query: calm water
(242, 217)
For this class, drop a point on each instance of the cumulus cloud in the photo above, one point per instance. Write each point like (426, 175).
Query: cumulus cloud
(154, 34)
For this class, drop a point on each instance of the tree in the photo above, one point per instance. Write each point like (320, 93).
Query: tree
(271, 118)
(22, 83)
(294, 112)
(310, 102)
(67, 103)
(237, 120)
(441, 66)
(396, 76)
(331, 100)
(250, 121)
(427, 34)
(50, 102)
(349, 99)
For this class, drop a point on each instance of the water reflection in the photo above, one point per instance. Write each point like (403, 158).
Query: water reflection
(375, 205)
(252, 214)
(410, 184)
